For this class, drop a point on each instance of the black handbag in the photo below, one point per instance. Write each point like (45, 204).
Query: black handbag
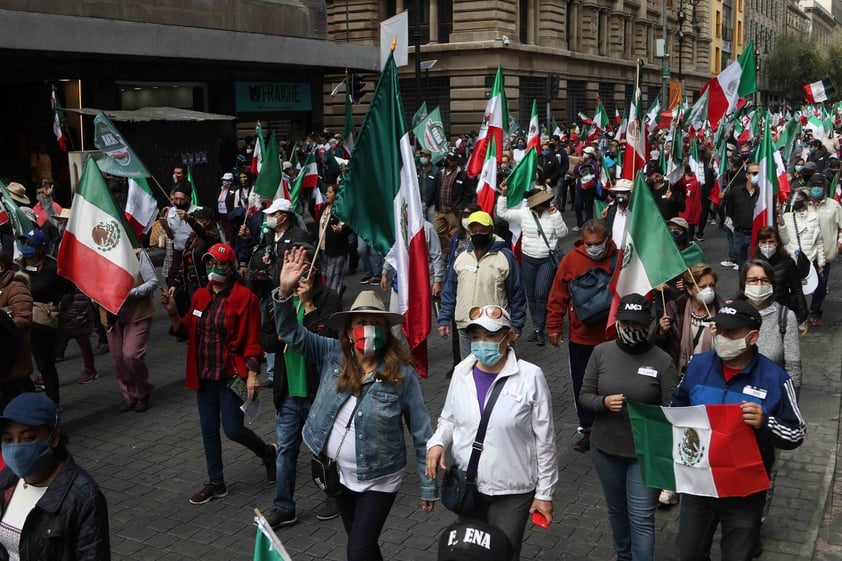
(459, 487)
(801, 262)
(323, 469)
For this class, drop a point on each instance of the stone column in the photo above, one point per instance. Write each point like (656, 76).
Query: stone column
(434, 21)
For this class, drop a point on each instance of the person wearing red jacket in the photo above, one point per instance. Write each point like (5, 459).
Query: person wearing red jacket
(594, 250)
(692, 212)
(223, 355)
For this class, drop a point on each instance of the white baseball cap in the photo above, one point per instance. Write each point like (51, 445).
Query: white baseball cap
(279, 205)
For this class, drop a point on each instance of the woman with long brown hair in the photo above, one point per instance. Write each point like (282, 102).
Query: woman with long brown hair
(356, 423)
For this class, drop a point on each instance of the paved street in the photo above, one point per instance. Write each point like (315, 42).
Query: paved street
(149, 464)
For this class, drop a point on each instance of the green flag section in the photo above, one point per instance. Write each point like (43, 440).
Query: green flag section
(693, 254)
(267, 183)
(121, 159)
(97, 252)
(268, 547)
(419, 115)
(704, 450)
(194, 195)
(307, 178)
(21, 224)
(430, 135)
(522, 179)
(650, 256)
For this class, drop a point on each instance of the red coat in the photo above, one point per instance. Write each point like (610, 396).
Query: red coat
(559, 303)
(242, 323)
(692, 212)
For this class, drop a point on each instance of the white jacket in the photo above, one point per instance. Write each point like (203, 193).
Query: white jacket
(830, 218)
(519, 453)
(532, 243)
(809, 230)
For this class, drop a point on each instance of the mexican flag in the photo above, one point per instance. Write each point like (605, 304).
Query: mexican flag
(648, 255)
(697, 165)
(764, 207)
(636, 149)
(141, 206)
(269, 181)
(739, 79)
(121, 160)
(58, 122)
(493, 128)
(819, 91)
(533, 137)
(698, 115)
(307, 178)
(600, 119)
(21, 224)
(519, 182)
(267, 544)
(257, 154)
(557, 130)
(348, 133)
(584, 118)
(487, 184)
(703, 450)
(653, 112)
(97, 252)
(387, 213)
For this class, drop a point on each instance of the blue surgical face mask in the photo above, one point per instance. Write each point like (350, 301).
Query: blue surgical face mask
(487, 352)
(27, 251)
(545, 152)
(26, 459)
(817, 192)
(799, 168)
(755, 179)
(521, 145)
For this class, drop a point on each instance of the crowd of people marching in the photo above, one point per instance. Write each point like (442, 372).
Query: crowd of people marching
(253, 286)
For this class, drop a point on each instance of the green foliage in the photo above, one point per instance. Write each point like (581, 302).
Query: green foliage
(796, 60)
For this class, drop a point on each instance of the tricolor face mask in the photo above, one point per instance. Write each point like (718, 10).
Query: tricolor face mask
(368, 339)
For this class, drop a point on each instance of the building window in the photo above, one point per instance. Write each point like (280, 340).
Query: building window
(571, 27)
(523, 20)
(602, 32)
(718, 24)
(445, 20)
(531, 87)
(606, 94)
(434, 90)
(576, 101)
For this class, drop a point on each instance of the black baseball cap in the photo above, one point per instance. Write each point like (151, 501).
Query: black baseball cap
(736, 314)
(474, 541)
(636, 308)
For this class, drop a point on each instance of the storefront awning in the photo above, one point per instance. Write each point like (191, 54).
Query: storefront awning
(147, 114)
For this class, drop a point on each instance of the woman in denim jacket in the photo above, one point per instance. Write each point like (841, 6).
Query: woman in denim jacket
(367, 374)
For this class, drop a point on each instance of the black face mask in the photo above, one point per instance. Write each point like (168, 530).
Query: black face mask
(182, 206)
(679, 237)
(650, 182)
(798, 205)
(481, 241)
(622, 200)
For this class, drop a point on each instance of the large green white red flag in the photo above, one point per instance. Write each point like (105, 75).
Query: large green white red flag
(307, 178)
(487, 184)
(141, 206)
(381, 202)
(767, 183)
(97, 252)
(494, 126)
(704, 450)
(697, 165)
(270, 179)
(739, 79)
(257, 154)
(600, 118)
(533, 136)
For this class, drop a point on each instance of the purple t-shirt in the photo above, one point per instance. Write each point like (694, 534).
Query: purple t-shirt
(483, 381)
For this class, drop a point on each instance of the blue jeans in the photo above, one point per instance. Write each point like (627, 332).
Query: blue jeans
(740, 519)
(820, 292)
(507, 512)
(363, 515)
(289, 421)
(216, 400)
(372, 262)
(537, 278)
(631, 505)
(739, 247)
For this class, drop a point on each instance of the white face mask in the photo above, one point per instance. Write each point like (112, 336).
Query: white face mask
(729, 349)
(465, 223)
(705, 295)
(768, 251)
(595, 252)
(271, 222)
(758, 294)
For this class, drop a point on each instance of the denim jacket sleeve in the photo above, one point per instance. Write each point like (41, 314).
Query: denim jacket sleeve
(313, 347)
(418, 422)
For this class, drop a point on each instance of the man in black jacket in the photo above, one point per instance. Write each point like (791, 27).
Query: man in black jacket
(451, 192)
(739, 207)
(294, 388)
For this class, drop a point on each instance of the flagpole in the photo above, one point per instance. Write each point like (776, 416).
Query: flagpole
(640, 129)
(166, 195)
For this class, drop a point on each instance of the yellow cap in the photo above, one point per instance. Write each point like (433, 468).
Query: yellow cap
(480, 217)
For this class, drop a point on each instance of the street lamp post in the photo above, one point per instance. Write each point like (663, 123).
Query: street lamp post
(682, 17)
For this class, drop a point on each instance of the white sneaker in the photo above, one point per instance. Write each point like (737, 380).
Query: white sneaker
(668, 498)
(730, 264)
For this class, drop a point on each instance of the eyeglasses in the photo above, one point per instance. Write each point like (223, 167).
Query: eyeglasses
(758, 280)
(754, 173)
(493, 312)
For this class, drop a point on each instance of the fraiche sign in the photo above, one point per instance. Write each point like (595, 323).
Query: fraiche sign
(272, 96)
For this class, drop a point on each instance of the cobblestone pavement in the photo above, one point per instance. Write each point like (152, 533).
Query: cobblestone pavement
(149, 464)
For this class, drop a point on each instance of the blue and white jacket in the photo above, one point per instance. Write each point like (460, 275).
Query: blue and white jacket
(761, 381)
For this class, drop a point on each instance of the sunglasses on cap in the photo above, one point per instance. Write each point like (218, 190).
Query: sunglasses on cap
(493, 312)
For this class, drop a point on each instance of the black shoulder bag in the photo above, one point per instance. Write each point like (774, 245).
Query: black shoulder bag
(459, 488)
(555, 254)
(323, 469)
(801, 262)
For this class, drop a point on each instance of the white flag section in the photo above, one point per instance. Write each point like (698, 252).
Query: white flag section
(395, 28)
